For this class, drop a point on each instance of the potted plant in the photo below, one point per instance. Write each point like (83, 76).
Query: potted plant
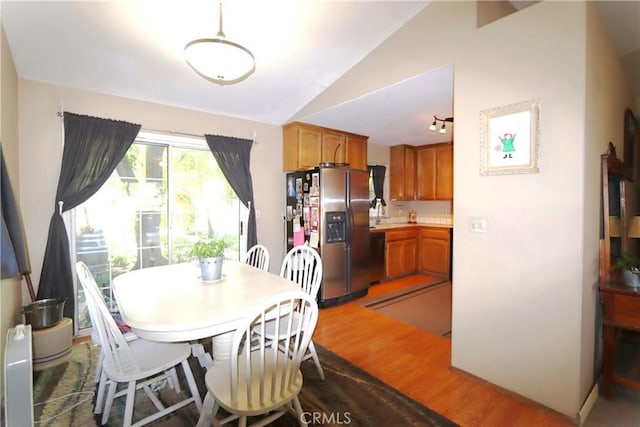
(630, 267)
(210, 254)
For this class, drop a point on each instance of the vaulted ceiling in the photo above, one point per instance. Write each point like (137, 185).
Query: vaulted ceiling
(135, 48)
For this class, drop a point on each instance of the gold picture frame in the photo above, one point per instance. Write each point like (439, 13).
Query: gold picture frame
(510, 139)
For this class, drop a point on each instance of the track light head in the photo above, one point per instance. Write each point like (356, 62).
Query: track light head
(443, 129)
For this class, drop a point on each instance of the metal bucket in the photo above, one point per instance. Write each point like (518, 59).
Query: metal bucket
(44, 313)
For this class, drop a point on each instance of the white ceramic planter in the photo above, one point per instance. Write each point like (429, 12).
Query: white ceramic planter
(211, 268)
(631, 279)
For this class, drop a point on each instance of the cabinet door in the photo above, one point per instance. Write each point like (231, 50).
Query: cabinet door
(300, 148)
(409, 255)
(357, 152)
(394, 258)
(333, 147)
(426, 174)
(444, 172)
(402, 172)
(309, 142)
(435, 251)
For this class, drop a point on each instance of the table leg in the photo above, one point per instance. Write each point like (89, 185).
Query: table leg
(204, 358)
(608, 362)
(221, 346)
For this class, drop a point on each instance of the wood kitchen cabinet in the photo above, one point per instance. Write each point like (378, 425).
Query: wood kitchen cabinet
(402, 172)
(401, 250)
(434, 172)
(435, 250)
(357, 151)
(305, 146)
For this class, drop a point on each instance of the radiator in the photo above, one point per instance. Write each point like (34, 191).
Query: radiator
(18, 384)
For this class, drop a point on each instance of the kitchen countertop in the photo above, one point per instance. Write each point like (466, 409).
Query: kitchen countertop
(395, 226)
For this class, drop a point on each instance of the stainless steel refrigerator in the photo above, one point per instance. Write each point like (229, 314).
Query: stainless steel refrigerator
(329, 208)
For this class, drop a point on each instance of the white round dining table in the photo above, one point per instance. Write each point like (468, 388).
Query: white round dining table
(171, 303)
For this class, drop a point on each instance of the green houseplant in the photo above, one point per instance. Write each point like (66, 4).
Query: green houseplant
(210, 254)
(630, 267)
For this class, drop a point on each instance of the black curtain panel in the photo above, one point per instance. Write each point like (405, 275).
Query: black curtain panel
(13, 250)
(377, 172)
(234, 157)
(93, 147)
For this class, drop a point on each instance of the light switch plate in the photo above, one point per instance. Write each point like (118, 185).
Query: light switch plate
(478, 225)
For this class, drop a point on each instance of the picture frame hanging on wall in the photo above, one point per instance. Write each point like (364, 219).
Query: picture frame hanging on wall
(510, 139)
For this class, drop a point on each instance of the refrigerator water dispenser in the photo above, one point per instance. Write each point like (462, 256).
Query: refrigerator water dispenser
(335, 226)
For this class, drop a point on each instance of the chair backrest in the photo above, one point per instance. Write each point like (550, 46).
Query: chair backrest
(258, 257)
(117, 353)
(303, 265)
(272, 373)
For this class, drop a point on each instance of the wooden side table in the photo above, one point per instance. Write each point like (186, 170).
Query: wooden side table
(621, 310)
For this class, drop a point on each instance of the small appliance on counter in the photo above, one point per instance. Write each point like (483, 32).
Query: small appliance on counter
(413, 218)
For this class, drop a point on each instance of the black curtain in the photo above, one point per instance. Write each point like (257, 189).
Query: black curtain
(13, 250)
(377, 172)
(93, 147)
(234, 157)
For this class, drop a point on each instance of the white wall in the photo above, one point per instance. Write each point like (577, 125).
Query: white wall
(523, 294)
(41, 133)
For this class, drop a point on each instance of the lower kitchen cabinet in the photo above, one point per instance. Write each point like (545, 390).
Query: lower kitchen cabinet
(418, 249)
(401, 252)
(435, 250)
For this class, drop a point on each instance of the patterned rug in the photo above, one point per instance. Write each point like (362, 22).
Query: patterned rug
(348, 395)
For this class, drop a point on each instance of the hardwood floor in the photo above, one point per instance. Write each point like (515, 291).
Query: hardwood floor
(418, 364)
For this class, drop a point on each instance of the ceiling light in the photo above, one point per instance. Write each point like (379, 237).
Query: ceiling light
(218, 59)
(443, 129)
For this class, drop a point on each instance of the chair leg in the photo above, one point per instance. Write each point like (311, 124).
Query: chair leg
(316, 361)
(99, 366)
(128, 409)
(172, 379)
(301, 418)
(192, 384)
(209, 410)
(109, 401)
(100, 397)
(243, 421)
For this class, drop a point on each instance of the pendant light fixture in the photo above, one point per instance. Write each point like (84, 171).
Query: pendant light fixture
(218, 59)
(434, 125)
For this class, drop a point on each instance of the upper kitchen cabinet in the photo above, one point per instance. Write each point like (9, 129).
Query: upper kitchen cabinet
(305, 146)
(357, 151)
(434, 172)
(402, 172)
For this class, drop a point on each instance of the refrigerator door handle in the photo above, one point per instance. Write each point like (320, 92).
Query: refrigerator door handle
(349, 231)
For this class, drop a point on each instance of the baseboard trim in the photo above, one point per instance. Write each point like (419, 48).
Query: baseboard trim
(587, 406)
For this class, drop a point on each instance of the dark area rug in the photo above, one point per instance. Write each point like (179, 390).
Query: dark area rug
(348, 396)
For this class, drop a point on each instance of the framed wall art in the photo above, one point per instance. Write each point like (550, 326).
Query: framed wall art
(510, 139)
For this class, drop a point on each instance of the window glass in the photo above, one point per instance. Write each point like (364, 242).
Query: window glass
(162, 197)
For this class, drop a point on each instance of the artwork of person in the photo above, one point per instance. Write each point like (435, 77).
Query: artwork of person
(507, 145)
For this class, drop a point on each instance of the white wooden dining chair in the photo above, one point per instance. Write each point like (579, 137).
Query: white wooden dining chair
(260, 379)
(258, 257)
(138, 363)
(301, 265)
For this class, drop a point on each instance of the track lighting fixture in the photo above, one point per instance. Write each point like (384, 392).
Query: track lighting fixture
(434, 125)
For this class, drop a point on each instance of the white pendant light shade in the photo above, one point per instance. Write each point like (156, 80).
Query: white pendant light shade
(219, 60)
